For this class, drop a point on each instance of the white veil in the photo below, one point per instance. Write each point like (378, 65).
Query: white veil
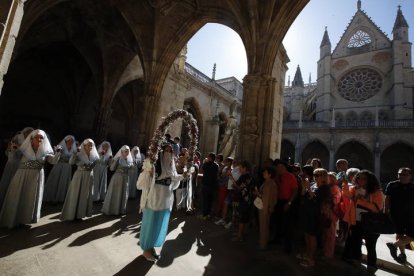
(136, 157)
(20, 137)
(108, 152)
(118, 155)
(64, 147)
(44, 148)
(93, 155)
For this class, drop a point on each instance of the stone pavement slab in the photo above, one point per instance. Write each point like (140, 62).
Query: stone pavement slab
(107, 245)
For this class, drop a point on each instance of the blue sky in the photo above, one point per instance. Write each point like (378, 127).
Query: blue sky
(219, 44)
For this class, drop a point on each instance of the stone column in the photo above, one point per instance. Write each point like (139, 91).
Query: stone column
(261, 119)
(332, 160)
(377, 159)
(298, 150)
(211, 134)
(103, 123)
(13, 11)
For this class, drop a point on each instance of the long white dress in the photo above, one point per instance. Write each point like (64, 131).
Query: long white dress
(78, 201)
(133, 173)
(58, 180)
(13, 160)
(60, 176)
(100, 181)
(24, 195)
(117, 195)
(100, 172)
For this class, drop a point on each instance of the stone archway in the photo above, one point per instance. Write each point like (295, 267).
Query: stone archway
(157, 31)
(394, 157)
(316, 149)
(126, 115)
(357, 154)
(192, 107)
(58, 92)
(287, 150)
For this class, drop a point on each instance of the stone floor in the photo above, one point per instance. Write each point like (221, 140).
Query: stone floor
(105, 245)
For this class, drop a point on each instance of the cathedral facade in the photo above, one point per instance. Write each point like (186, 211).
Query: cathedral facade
(361, 107)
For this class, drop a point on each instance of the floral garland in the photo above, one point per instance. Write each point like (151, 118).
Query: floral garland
(157, 139)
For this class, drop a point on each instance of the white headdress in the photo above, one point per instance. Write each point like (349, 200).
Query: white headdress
(136, 156)
(108, 152)
(44, 148)
(118, 155)
(20, 137)
(65, 148)
(93, 155)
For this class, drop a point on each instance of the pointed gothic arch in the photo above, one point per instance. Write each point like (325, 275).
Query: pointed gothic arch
(191, 106)
(316, 149)
(393, 157)
(126, 116)
(357, 154)
(287, 150)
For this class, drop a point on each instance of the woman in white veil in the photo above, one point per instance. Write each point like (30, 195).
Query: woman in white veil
(117, 195)
(23, 199)
(13, 159)
(78, 201)
(60, 176)
(133, 172)
(23, 134)
(100, 171)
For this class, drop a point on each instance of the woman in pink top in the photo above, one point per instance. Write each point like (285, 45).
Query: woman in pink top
(365, 196)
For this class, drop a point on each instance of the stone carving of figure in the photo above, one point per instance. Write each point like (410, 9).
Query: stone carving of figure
(227, 145)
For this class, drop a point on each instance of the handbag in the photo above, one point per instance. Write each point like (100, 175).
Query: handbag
(258, 203)
(379, 223)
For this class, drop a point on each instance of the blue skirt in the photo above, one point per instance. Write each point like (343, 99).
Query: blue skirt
(153, 228)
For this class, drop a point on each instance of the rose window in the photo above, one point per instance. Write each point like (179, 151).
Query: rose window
(359, 39)
(359, 85)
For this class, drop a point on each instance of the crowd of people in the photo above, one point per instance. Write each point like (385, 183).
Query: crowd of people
(307, 210)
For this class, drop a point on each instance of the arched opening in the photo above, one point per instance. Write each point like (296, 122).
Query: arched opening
(316, 149)
(367, 116)
(125, 114)
(287, 150)
(358, 155)
(191, 106)
(394, 157)
(59, 70)
(339, 119)
(351, 118)
(204, 52)
(51, 87)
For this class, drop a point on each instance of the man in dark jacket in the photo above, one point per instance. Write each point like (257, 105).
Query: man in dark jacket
(210, 171)
(400, 204)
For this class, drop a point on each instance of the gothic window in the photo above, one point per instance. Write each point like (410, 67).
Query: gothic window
(360, 84)
(351, 117)
(339, 118)
(383, 115)
(367, 116)
(359, 39)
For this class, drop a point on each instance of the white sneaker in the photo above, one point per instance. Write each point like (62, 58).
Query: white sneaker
(220, 222)
(228, 225)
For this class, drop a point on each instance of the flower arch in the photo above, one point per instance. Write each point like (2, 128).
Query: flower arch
(157, 139)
